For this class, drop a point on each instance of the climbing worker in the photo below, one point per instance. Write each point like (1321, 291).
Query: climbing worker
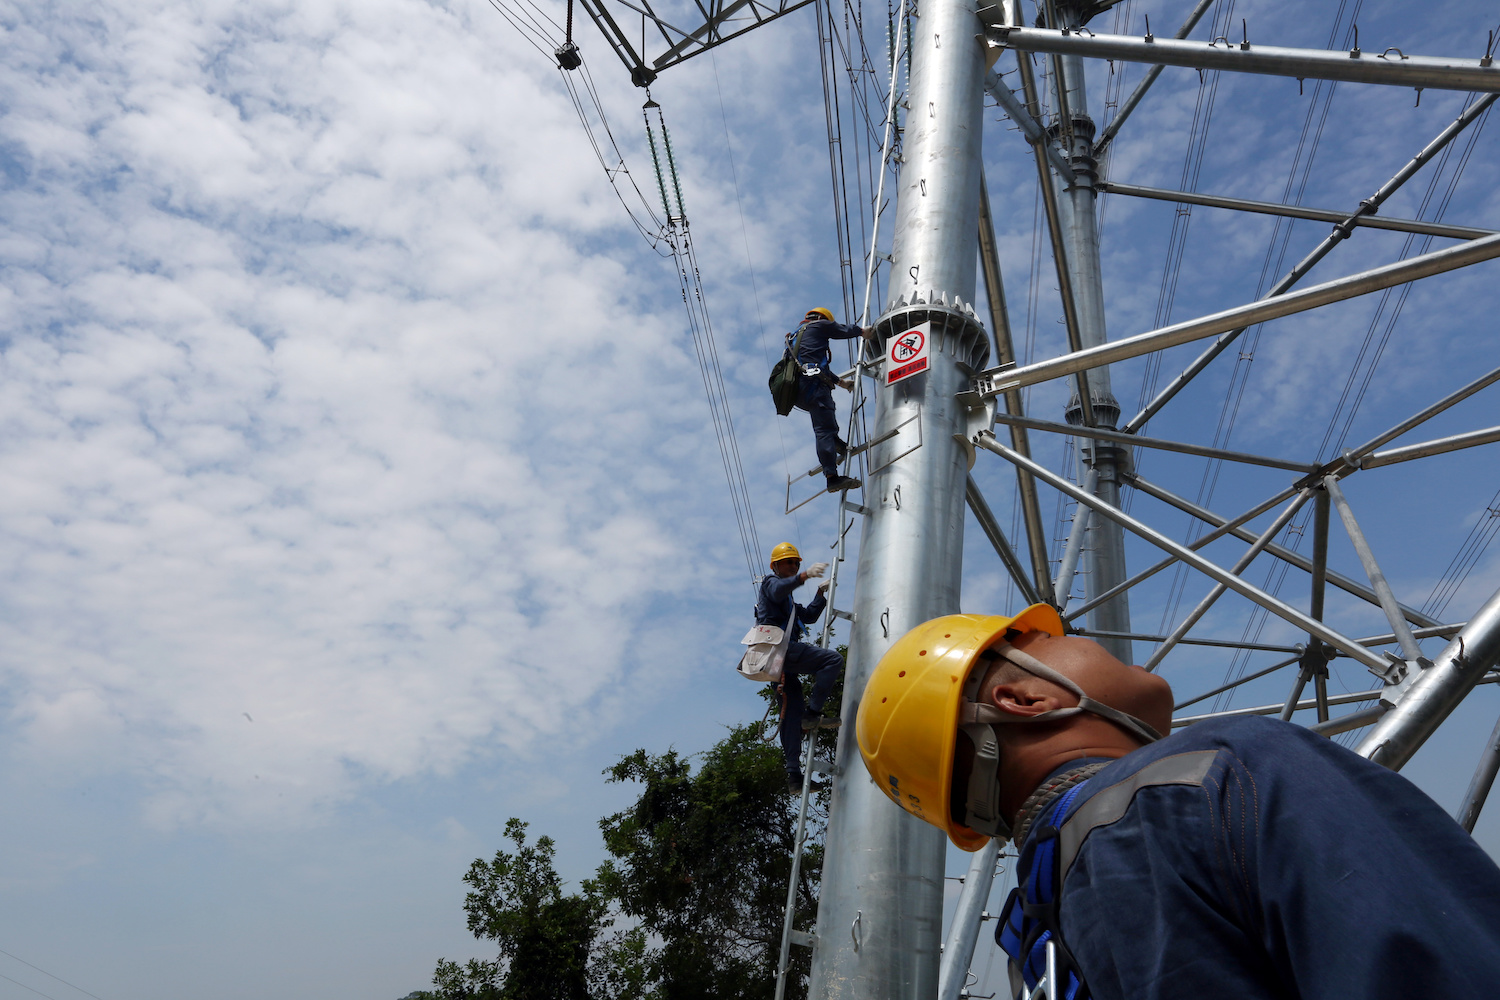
(1239, 857)
(775, 608)
(815, 387)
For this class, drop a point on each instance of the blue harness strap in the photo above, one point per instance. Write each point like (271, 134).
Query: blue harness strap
(1030, 920)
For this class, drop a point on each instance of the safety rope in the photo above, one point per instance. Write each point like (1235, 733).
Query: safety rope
(1048, 792)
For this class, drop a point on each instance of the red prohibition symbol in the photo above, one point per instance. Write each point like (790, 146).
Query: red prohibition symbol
(907, 346)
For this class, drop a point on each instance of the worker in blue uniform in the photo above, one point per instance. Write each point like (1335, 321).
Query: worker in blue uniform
(1240, 857)
(774, 607)
(815, 387)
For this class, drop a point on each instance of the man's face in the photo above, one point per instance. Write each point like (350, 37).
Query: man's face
(786, 567)
(1128, 688)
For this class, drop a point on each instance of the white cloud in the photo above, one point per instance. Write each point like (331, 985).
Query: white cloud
(317, 408)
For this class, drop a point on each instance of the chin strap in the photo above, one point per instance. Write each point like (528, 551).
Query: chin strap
(976, 721)
(973, 713)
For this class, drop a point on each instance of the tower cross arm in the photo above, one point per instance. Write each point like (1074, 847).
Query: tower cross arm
(1392, 67)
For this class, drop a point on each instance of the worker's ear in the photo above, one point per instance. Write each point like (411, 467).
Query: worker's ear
(1026, 698)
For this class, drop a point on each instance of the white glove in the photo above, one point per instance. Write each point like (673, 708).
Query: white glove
(823, 585)
(814, 571)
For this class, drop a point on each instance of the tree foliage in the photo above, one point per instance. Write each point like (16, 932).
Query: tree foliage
(696, 880)
(702, 860)
(545, 938)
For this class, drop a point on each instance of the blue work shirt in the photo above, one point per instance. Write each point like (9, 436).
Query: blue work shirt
(774, 606)
(813, 350)
(1295, 869)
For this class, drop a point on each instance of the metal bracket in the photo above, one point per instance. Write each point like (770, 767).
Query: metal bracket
(848, 616)
(910, 430)
(827, 767)
(804, 939)
(983, 385)
(1399, 675)
(980, 416)
(855, 508)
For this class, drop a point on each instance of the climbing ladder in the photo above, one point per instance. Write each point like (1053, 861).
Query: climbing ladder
(847, 512)
(859, 445)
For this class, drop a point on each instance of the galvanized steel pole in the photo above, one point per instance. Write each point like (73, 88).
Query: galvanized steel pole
(880, 907)
(1105, 546)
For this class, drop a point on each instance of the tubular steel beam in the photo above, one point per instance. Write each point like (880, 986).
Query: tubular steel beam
(1276, 606)
(1315, 661)
(1218, 589)
(1437, 690)
(991, 383)
(963, 934)
(1480, 784)
(1220, 643)
(1385, 638)
(1398, 70)
(991, 528)
(1344, 723)
(1234, 684)
(1295, 211)
(1031, 511)
(1378, 582)
(1151, 74)
(1195, 545)
(1354, 456)
(1338, 699)
(1035, 134)
(1284, 554)
(1428, 448)
(1068, 565)
(1104, 434)
(1369, 206)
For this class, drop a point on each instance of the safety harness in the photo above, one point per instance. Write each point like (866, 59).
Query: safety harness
(1030, 929)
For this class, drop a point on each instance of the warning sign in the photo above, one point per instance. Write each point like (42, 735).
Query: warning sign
(906, 354)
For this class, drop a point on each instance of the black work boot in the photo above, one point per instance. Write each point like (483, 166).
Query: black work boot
(838, 484)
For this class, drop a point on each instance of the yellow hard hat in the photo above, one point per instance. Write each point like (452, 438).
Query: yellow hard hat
(908, 716)
(820, 311)
(786, 550)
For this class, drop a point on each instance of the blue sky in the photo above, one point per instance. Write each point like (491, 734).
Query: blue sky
(356, 485)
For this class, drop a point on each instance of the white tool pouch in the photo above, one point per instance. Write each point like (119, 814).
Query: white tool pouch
(764, 659)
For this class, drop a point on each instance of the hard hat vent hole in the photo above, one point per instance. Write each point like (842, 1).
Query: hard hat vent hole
(901, 674)
(883, 701)
(922, 653)
(947, 635)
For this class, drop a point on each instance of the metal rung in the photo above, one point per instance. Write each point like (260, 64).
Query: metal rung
(848, 616)
(827, 767)
(861, 448)
(804, 939)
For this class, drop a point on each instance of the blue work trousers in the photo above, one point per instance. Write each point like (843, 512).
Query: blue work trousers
(816, 397)
(802, 659)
